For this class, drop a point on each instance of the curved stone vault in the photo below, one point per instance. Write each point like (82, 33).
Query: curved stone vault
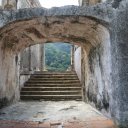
(74, 29)
(40, 25)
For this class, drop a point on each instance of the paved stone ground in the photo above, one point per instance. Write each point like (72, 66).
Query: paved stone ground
(62, 114)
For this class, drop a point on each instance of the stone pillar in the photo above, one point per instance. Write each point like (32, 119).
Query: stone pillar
(42, 57)
(29, 57)
(72, 58)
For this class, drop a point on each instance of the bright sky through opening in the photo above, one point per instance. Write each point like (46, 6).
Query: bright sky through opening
(57, 3)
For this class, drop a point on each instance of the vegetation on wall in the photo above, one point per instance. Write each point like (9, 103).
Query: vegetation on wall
(57, 56)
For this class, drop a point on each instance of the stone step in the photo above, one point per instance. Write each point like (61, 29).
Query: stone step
(51, 97)
(53, 85)
(50, 88)
(53, 76)
(54, 73)
(53, 81)
(50, 92)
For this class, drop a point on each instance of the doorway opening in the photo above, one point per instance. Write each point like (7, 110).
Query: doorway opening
(57, 57)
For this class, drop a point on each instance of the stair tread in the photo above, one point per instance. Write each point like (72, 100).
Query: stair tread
(56, 83)
(53, 78)
(52, 95)
(51, 87)
(56, 79)
(50, 91)
(54, 73)
(53, 81)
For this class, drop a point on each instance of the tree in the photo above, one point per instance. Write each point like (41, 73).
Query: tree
(57, 56)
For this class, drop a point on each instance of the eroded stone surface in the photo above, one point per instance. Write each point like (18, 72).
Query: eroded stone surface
(64, 111)
(73, 29)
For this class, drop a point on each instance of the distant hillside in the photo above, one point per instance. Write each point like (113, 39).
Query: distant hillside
(57, 56)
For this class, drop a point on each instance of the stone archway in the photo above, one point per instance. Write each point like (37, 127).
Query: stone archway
(87, 27)
(86, 32)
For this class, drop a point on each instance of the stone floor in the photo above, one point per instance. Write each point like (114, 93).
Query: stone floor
(69, 114)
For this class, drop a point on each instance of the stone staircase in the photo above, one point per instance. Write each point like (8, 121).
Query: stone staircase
(52, 86)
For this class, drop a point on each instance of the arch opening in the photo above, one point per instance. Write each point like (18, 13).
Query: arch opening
(90, 35)
(46, 57)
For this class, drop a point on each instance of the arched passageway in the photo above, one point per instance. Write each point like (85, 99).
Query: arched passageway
(86, 27)
(90, 34)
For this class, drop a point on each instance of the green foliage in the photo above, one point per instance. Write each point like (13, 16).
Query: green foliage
(57, 56)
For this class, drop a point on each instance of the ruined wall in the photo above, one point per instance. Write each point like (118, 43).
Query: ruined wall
(99, 79)
(35, 57)
(24, 61)
(9, 77)
(105, 66)
(10, 67)
(17, 4)
(90, 2)
(115, 3)
(83, 30)
(106, 79)
(119, 50)
(11, 5)
(77, 62)
(96, 75)
(29, 62)
(30, 59)
(28, 4)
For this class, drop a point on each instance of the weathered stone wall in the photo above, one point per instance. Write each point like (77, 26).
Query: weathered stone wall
(96, 74)
(29, 62)
(28, 4)
(35, 57)
(24, 62)
(30, 59)
(115, 3)
(10, 65)
(9, 77)
(98, 88)
(91, 2)
(12, 3)
(88, 2)
(119, 53)
(17, 4)
(109, 94)
(77, 62)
